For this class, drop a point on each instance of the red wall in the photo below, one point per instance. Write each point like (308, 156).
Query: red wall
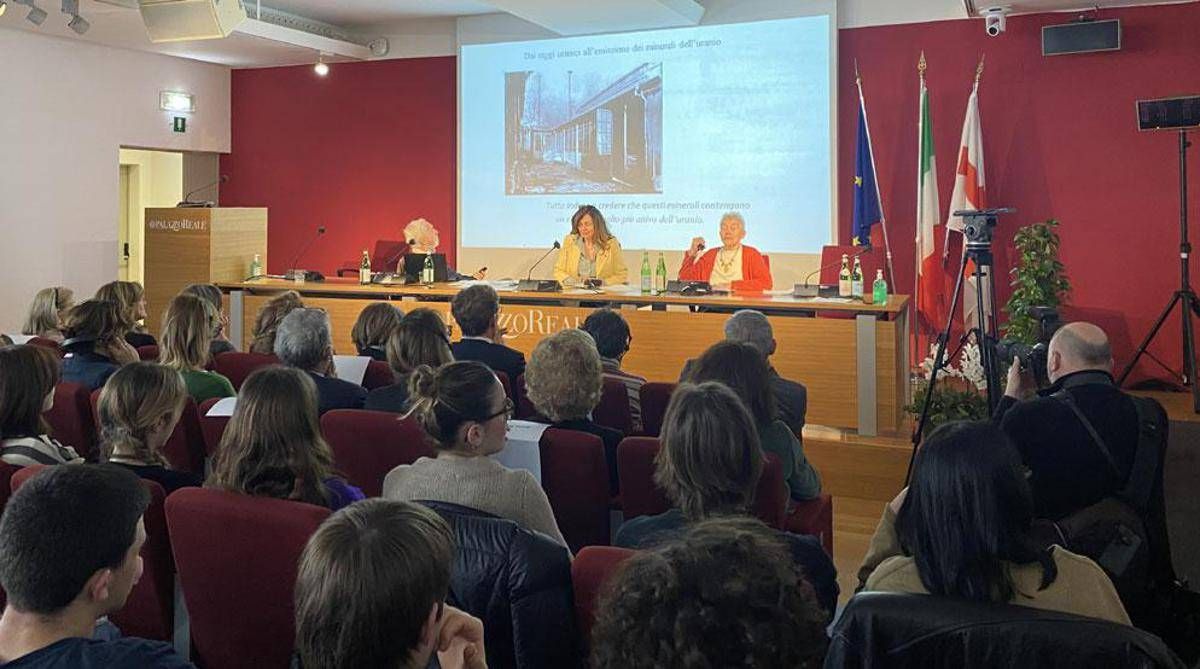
(373, 145)
(362, 151)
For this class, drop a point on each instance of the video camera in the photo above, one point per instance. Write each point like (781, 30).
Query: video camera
(1033, 358)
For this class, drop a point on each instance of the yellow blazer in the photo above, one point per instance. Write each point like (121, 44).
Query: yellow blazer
(610, 266)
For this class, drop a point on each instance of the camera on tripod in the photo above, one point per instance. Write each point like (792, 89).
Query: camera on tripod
(1033, 358)
(978, 228)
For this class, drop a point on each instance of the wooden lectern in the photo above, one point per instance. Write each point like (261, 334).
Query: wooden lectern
(197, 245)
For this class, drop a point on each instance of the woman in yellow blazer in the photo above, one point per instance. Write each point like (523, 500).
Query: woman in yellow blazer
(590, 251)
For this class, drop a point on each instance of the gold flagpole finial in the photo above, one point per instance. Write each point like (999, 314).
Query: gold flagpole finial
(921, 65)
(979, 68)
(857, 78)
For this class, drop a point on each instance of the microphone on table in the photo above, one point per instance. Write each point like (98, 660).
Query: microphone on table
(805, 290)
(292, 272)
(408, 244)
(547, 253)
(531, 285)
(187, 199)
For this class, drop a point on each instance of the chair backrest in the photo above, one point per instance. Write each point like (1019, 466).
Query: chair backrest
(885, 629)
(148, 352)
(613, 409)
(831, 257)
(185, 449)
(149, 612)
(641, 496)
(212, 428)
(368, 444)
(385, 250)
(236, 365)
(575, 478)
(655, 397)
(508, 387)
(71, 419)
(237, 558)
(47, 343)
(378, 375)
(524, 409)
(590, 571)
(6, 473)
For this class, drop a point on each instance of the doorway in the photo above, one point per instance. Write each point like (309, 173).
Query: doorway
(146, 179)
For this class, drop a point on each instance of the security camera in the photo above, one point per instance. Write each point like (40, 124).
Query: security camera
(994, 20)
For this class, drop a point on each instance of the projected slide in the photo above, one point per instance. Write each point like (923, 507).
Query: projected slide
(662, 130)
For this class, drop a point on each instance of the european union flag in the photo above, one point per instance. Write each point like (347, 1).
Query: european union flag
(867, 211)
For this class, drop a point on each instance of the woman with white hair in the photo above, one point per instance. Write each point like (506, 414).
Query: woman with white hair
(731, 266)
(422, 238)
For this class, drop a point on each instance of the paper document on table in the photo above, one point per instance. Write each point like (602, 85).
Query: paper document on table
(351, 368)
(521, 447)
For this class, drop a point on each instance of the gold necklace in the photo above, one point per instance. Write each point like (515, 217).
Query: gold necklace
(726, 260)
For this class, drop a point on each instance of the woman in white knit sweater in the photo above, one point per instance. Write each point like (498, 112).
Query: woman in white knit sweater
(464, 410)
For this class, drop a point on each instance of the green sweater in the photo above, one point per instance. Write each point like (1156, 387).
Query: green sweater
(203, 385)
(802, 480)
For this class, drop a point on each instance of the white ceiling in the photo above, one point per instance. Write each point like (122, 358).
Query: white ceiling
(357, 14)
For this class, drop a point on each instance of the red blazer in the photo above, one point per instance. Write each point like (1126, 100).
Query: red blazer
(755, 274)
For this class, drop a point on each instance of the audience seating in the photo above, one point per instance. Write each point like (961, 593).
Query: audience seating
(6, 473)
(378, 375)
(237, 557)
(655, 397)
(150, 610)
(212, 428)
(885, 629)
(185, 449)
(236, 366)
(368, 444)
(72, 420)
(508, 388)
(815, 517)
(47, 343)
(575, 478)
(590, 571)
(523, 408)
(613, 409)
(148, 352)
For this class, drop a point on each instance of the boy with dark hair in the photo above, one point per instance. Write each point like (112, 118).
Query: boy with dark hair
(70, 541)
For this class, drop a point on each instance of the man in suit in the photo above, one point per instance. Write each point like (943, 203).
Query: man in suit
(476, 310)
(303, 340)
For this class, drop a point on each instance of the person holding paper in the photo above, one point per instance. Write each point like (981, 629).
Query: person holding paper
(732, 266)
(590, 251)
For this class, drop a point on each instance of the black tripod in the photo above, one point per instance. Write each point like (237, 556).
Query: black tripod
(977, 230)
(1184, 296)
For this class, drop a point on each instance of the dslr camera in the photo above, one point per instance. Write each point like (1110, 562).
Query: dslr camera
(1033, 358)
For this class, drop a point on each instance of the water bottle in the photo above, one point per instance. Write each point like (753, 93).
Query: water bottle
(660, 275)
(856, 280)
(364, 269)
(256, 268)
(645, 272)
(427, 270)
(844, 289)
(879, 288)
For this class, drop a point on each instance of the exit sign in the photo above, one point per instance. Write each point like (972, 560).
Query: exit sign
(180, 124)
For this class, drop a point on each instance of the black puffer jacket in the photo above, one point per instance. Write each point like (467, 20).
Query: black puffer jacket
(894, 631)
(518, 583)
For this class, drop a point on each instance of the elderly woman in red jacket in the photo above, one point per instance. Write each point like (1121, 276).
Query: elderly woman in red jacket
(732, 265)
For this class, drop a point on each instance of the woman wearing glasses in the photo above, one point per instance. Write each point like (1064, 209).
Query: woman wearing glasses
(463, 409)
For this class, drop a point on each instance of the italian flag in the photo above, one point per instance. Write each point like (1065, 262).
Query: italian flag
(931, 284)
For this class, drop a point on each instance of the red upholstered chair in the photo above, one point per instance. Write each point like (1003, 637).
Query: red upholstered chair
(771, 495)
(6, 473)
(237, 557)
(508, 388)
(368, 444)
(385, 250)
(378, 375)
(815, 517)
(655, 397)
(211, 427)
(613, 409)
(640, 496)
(148, 352)
(236, 366)
(575, 478)
(185, 449)
(523, 408)
(47, 343)
(150, 610)
(72, 420)
(590, 571)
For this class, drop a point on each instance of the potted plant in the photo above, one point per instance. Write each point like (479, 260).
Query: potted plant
(1038, 279)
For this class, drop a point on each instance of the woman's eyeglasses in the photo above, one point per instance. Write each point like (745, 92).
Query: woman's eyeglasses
(507, 411)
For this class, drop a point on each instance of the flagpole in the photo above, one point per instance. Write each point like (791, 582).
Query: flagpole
(921, 67)
(887, 246)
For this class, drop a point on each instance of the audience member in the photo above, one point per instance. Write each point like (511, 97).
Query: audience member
(5, 340)
(611, 333)
(725, 594)
(563, 381)
(463, 409)
(95, 345)
(709, 466)
(419, 339)
(211, 294)
(476, 309)
(70, 544)
(962, 529)
(745, 371)
(28, 375)
(273, 446)
(46, 313)
(305, 342)
(130, 298)
(373, 329)
(269, 316)
(371, 592)
(186, 346)
(139, 408)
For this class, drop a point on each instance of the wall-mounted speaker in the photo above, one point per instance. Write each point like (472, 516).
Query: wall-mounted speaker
(1081, 37)
(1169, 113)
(182, 20)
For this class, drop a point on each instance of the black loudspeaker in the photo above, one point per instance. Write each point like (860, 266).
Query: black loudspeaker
(1081, 37)
(1169, 113)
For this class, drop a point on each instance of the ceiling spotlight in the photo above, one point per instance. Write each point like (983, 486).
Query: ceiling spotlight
(3, 7)
(79, 24)
(36, 15)
(321, 68)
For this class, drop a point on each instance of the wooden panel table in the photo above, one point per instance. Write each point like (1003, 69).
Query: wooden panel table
(855, 366)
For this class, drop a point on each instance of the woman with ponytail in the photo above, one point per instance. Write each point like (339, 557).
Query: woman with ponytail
(139, 407)
(464, 411)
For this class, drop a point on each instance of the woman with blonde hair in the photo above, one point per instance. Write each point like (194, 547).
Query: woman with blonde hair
(139, 408)
(94, 344)
(211, 294)
(28, 375)
(46, 313)
(421, 338)
(373, 328)
(269, 317)
(590, 251)
(188, 329)
(130, 298)
(273, 446)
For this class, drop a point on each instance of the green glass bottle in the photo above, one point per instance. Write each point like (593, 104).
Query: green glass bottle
(660, 275)
(645, 272)
(364, 269)
(844, 277)
(879, 289)
(427, 272)
(856, 280)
